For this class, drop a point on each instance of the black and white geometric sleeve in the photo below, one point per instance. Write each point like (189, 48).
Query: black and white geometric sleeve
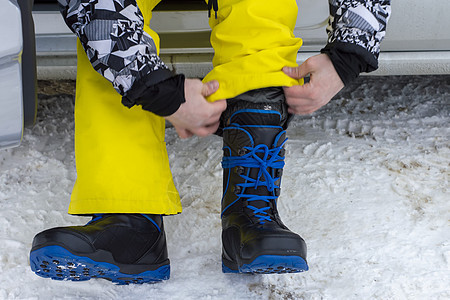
(355, 31)
(359, 22)
(112, 34)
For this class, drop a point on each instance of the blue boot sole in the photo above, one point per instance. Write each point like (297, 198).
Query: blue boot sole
(271, 264)
(57, 263)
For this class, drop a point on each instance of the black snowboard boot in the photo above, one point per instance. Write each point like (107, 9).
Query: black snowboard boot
(123, 248)
(254, 238)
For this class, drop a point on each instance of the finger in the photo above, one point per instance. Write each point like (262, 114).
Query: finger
(202, 131)
(189, 133)
(209, 88)
(307, 112)
(213, 127)
(297, 92)
(219, 106)
(305, 108)
(183, 133)
(215, 110)
(291, 110)
(207, 129)
(297, 111)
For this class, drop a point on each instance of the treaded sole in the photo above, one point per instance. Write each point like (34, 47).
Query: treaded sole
(57, 263)
(271, 264)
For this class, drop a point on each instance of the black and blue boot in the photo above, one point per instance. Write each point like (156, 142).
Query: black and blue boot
(254, 238)
(122, 248)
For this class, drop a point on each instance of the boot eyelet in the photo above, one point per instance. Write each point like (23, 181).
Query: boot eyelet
(239, 170)
(277, 192)
(237, 190)
(242, 151)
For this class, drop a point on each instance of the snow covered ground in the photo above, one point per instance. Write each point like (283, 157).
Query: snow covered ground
(366, 185)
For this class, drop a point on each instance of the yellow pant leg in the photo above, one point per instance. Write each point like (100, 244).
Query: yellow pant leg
(121, 158)
(253, 40)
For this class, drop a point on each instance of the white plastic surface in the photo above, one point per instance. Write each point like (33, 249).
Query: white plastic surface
(11, 116)
(11, 107)
(312, 14)
(11, 29)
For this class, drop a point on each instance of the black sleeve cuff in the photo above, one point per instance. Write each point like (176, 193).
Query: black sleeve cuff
(162, 97)
(350, 60)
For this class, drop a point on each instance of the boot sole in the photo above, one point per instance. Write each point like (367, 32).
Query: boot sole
(268, 264)
(57, 263)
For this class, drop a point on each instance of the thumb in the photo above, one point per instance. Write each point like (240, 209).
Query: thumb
(297, 72)
(209, 88)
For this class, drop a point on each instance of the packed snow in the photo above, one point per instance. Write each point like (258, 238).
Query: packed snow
(366, 184)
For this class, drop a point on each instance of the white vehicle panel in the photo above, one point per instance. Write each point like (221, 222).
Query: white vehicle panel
(417, 33)
(11, 111)
(418, 26)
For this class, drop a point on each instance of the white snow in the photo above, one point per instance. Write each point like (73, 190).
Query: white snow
(366, 184)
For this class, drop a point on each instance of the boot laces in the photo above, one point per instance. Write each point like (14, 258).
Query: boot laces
(270, 158)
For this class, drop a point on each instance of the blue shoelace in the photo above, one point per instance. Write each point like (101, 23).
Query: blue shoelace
(270, 159)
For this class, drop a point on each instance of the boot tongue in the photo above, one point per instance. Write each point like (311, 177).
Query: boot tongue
(264, 132)
(258, 117)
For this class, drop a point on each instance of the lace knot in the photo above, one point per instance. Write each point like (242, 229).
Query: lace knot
(263, 158)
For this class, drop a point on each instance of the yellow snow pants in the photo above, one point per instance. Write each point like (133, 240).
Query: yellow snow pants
(121, 158)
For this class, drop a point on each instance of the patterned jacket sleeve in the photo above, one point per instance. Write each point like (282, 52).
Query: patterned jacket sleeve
(112, 34)
(358, 27)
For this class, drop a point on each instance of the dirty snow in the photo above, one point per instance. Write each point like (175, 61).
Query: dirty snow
(366, 185)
